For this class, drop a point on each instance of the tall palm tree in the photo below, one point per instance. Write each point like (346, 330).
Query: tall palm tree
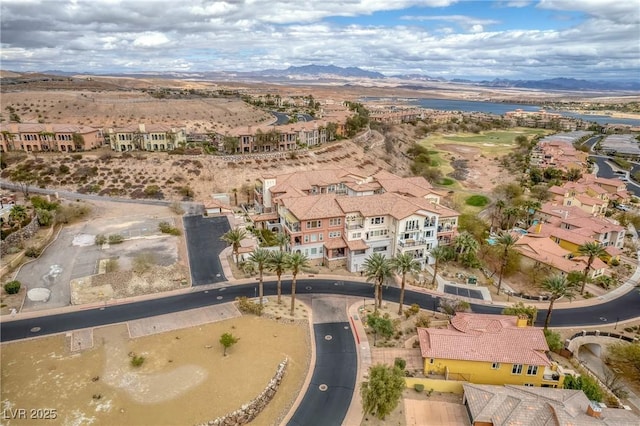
(277, 263)
(505, 241)
(558, 287)
(440, 254)
(403, 264)
(465, 243)
(377, 269)
(497, 211)
(281, 240)
(260, 257)
(234, 237)
(295, 262)
(592, 250)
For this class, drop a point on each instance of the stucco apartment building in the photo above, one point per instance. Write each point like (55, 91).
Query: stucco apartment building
(489, 349)
(340, 217)
(145, 137)
(38, 137)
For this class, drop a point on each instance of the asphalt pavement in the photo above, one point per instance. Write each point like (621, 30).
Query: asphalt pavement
(203, 234)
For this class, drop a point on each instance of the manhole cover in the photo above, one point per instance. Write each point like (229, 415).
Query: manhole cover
(217, 275)
(323, 387)
(219, 297)
(222, 289)
(308, 287)
(346, 327)
(35, 329)
(328, 337)
(206, 291)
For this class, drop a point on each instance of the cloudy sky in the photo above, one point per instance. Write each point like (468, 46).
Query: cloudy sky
(591, 39)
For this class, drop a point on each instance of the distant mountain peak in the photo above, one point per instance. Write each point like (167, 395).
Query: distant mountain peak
(317, 70)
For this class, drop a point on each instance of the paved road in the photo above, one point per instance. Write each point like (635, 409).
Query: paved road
(204, 246)
(327, 399)
(605, 171)
(622, 308)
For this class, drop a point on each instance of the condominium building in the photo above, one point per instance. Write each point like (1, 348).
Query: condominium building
(145, 137)
(38, 137)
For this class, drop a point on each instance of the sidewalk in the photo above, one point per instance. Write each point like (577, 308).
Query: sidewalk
(356, 413)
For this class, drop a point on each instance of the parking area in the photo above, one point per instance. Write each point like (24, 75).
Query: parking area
(204, 246)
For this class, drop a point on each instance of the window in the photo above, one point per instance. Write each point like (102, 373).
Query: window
(335, 234)
(313, 224)
(320, 236)
(495, 365)
(428, 234)
(306, 238)
(379, 249)
(377, 220)
(432, 360)
(314, 238)
(379, 233)
(335, 221)
(314, 251)
(532, 370)
(517, 369)
(529, 385)
(356, 235)
(412, 225)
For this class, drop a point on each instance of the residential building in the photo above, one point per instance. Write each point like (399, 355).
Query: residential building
(37, 137)
(558, 154)
(489, 349)
(340, 217)
(489, 405)
(146, 137)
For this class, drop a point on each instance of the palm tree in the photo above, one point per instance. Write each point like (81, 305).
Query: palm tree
(233, 237)
(404, 263)
(558, 287)
(281, 240)
(465, 243)
(295, 262)
(377, 269)
(260, 257)
(440, 254)
(235, 196)
(497, 211)
(277, 263)
(505, 241)
(592, 250)
(18, 214)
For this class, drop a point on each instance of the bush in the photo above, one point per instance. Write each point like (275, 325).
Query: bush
(166, 228)
(554, 340)
(100, 239)
(32, 252)
(419, 387)
(12, 287)
(45, 217)
(116, 239)
(247, 306)
(614, 262)
(423, 321)
(400, 363)
(66, 214)
(137, 360)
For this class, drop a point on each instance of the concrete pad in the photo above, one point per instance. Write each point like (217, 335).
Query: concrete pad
(184, 319)
(434, 413)
(81, 339)
(39, 294)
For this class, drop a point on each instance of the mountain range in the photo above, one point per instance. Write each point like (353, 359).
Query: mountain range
(336, 73)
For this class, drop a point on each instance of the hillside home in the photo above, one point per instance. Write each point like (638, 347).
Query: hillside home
(489, 349)
(489, 405)
(558, 154)
(36, 137)
(146, 137)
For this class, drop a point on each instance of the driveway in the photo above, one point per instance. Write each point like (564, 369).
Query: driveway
(203, 234)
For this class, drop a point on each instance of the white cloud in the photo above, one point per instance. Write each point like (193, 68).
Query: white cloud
(150, 39)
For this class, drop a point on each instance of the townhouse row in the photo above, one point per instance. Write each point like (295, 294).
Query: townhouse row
(340, 217)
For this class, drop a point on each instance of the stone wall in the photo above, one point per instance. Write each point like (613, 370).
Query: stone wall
(250, 411)
(19, 236)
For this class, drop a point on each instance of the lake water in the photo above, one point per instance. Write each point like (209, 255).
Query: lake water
(499, 108)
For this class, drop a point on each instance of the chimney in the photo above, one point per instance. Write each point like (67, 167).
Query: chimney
(539, 227)
(594, 410)
(522, 321)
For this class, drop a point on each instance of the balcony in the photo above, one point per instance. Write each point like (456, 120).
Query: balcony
(550, 375)
(412, 242)
(352, 226)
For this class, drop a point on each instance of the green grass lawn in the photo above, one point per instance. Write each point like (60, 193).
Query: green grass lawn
(477, 201)
(491, 142)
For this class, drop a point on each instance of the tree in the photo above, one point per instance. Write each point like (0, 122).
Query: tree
(235, 196)
(558, 287)
(626, 353)
(18, 214)
(380, 325)
(554, 340)
(505, 242)
(227, 340)
(277, 263)
(247, 189)
(519, 310)
(295, 262)
(377, 269)
(234, 237)
(260, 257)
(592, 250)
(440, 254)
(465, 243)
(24, 178)
(78, 141)
(281, 240)
(230, 144)
(585, 383)
(403, 264)
(382, 392)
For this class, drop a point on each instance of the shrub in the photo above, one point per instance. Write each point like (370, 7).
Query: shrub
(45, 217)
(166, 228)
(116, 239)
(100, 239)
(32, 252)
(63, 169)
(152, 191)
(614, 262)
(247, 306)
(423, 321)
(412, 310)
(419, 387)
(76, 156)
(12, 287)
(137, 360)
(39, 202)
(400, 363)
(554, 340)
